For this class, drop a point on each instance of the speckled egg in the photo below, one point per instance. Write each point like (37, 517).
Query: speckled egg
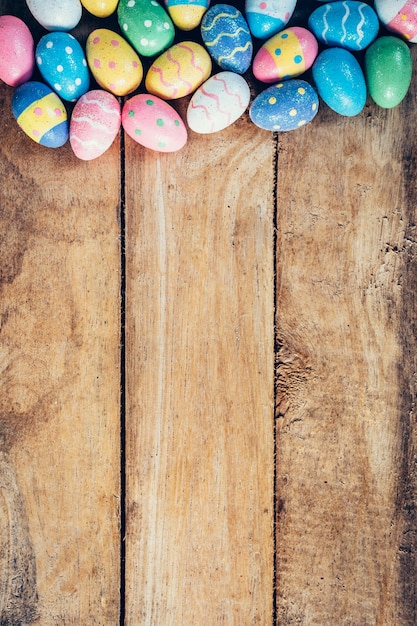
(268, 17)
(56, 14)
(399, 16)
(100, 8)
(17, 57)
(178, 71)
(62, 63)
(285, 106)
(227, 37)
(146, 25)
(41, 114)
(153, 123)
(187, 15)
(350, 24)
(286, 55)
(113, 62)
(95, 123)
(339, 80)
(218, 103)
(388, 70)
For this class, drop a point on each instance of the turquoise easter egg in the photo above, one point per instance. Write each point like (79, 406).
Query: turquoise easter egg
(41, 114)
(340, 82)
(63, 65)
(187, 15)
(146, 25)
(388, 71)
(226, 35)
(267, 17)
(285, 106)
(349, 24)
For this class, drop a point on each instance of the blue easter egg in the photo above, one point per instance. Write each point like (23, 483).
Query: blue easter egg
(41, 114)
(340, 81)
(285, 106)
(226, 35)
(62, 63)
(267, 17)
(352, 25)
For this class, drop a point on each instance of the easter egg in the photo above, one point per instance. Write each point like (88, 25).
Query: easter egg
(113, 62)
(351, 24)
(285, 106)
(178, 71)
(153, 123)
(339, 80)
(62, 63)
(146, 25)
(269, 16)
(56, 14)
(187, 15)
(218, 103)
(95, 122)
(17, 58)
(227, 37)
(388, 71)
(399, 16)
(100, 8)
(285, 55)
(40, 113)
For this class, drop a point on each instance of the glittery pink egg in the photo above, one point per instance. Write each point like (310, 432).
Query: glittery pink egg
(17, 57)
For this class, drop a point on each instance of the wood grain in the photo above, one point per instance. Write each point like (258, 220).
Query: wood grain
(59, 401)
(199, 323)
(346, 370)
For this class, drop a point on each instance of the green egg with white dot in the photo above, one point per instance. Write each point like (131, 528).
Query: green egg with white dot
(146, 25)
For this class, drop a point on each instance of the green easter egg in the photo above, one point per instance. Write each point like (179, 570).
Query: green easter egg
(388, 70)
(146, 25)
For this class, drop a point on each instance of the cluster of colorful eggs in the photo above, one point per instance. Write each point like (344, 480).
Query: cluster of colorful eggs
(338, 31)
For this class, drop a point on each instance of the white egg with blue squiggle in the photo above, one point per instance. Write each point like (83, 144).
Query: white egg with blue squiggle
(63, 65)
(267, 17)
(286, 106)
(227, 37)
(350, 24)
(218, 103)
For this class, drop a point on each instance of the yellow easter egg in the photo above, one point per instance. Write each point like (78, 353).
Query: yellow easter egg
(100, 8)
(113, 62)
(179, 71)
(186, 16)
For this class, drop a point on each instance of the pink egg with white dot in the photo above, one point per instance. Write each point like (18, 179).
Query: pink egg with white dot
(113, 62)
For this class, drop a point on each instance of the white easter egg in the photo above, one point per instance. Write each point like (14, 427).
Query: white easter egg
(56, 14)
(399, 16)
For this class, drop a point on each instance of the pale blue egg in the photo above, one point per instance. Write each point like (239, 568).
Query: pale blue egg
(340, 81)
(63, 65)
(227, 37)
(349, 24)
(286, 106)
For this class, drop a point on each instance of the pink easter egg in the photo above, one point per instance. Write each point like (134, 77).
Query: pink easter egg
(153, 123)
(17, 57)
(399, 16)
(95, 122)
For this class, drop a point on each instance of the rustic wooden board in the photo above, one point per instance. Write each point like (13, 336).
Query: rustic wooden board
(59, 399)
(346, 387)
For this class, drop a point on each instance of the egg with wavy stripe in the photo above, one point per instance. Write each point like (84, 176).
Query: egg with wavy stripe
(227, 37)
(178, 71)
(399, 17)
(187, 15)
(17, 59)
(56, 14)
(267, 17)
(41, 114)
(95, 123)
(286, 106)
(352, 25)
(218, 103)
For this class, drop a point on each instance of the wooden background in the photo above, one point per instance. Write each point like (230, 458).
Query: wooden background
(208, 375)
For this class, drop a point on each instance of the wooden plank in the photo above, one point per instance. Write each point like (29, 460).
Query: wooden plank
(199, 322)
(59, 400)
(346, 317)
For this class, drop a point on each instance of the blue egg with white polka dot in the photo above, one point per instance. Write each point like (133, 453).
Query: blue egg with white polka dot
(63, 65)
(285, 106)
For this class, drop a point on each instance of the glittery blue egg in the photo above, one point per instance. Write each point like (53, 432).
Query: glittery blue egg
(62, 63)
(227, 37)
(340, 81)
(285, 106)
(350, 24)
